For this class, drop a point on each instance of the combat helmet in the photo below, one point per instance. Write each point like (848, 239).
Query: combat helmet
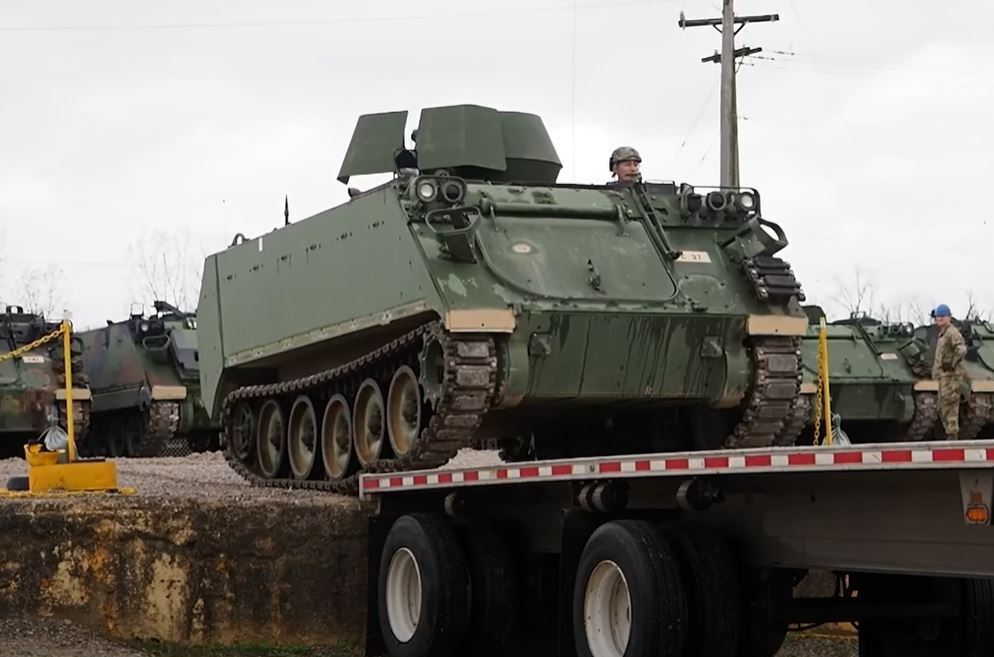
(621, 154)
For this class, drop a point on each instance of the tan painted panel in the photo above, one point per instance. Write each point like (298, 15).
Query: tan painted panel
(496, 320)
(776, 325)
(927, 386)
(78, 394)
(982, 386)
(809, 388)
(168, 393)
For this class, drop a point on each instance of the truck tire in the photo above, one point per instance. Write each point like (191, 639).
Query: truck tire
(759, 634)
(423, 601)
(627, 597)
(710, 580)
(493, 583)
(969, 635)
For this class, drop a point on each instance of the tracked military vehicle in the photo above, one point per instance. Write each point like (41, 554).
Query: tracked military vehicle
(473, 298)
(33, 384)
(977, 411)
(879, 387)
(144, 375)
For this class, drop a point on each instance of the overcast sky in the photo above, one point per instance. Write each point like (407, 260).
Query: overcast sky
(865, 125)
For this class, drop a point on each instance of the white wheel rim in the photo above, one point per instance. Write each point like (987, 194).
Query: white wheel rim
(303, 425)
(368, 422)
(607, 611)
(336, 437)
(403, 595)
(403, 411)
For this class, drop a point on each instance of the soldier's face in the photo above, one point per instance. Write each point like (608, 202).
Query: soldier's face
(942, 321)
(627, 170)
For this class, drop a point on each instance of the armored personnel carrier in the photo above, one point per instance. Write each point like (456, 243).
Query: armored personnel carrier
(473, 298)
(145, 379)
(879, 387)
(977, 412)
(33, 384)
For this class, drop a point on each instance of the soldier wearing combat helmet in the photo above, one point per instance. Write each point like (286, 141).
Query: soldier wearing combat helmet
(624, 165)
(948, 370)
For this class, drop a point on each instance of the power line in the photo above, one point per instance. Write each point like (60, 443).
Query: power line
(331, 21)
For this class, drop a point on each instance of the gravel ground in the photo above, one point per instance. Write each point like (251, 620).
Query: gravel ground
(207, 476)
(52, 637)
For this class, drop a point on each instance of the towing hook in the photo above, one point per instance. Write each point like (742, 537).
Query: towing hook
(698, 495)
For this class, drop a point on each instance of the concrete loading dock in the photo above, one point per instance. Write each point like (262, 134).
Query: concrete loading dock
(195, 556)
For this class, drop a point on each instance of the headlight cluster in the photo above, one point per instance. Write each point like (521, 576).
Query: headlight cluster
(900, 329)
(443, 189)
(724, 203)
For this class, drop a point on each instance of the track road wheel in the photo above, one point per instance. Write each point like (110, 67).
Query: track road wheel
(710, 580)
(302, 438)
(368, 422)
(271, 440)
(336, 438)
(423, 601)
(627, 598)
(243, 431)
(404, 406)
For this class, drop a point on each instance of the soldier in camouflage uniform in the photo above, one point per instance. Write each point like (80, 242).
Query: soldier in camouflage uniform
(948, 370)
(624, 165)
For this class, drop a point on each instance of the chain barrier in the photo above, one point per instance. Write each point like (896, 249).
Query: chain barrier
(17, 353)
(63, 331)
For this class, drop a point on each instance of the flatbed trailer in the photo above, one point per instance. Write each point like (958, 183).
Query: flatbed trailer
(692, 553)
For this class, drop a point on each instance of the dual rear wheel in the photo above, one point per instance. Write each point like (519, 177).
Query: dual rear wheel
(639, 589)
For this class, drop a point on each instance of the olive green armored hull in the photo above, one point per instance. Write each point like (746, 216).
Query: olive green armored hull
(32, 384)
(453, 307)
(146, 388)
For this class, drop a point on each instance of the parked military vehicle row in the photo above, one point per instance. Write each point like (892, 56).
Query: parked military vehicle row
(136, 385)
(145, 379)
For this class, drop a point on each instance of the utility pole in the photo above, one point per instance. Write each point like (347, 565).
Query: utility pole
(729, 109)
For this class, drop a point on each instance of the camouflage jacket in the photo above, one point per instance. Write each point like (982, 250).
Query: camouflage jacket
(950, 348)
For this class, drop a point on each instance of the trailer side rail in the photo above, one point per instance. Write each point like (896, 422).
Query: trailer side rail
(869, 457)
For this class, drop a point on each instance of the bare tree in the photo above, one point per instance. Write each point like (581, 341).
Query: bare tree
(858, 297)
(168, 267)
(41, 291)
(974, 311)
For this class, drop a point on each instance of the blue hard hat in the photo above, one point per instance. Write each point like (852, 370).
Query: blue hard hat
(942, 310)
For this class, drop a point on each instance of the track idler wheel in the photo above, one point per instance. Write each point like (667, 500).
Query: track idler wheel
(404, 410)
(336, 438)
(368, 423)
(271, 441)
(302, 438)
(243, 431)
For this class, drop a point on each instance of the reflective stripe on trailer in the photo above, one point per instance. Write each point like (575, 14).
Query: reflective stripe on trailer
(894, 456)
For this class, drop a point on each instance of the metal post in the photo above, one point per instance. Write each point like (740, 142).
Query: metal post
(67, 360)
(729, 107)
(728, 166)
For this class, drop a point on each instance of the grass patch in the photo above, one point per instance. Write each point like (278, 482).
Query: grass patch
(158, 649)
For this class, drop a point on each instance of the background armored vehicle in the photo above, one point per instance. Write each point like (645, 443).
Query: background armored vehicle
(877, 388)
(32, 385)
(977, 413)
(144, 375)
(473, 298)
